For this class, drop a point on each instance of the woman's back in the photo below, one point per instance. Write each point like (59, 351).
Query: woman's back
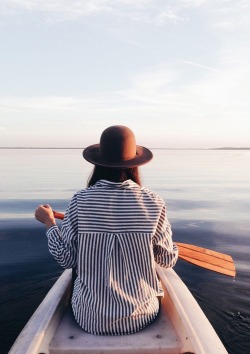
(117, 287)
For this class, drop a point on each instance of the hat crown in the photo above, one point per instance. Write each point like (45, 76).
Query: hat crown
(117, 144)
(117, 149)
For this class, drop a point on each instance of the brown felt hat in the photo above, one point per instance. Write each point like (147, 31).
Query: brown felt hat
(117, 148)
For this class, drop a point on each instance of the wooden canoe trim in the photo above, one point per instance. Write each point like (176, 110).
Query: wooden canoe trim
(202, 257)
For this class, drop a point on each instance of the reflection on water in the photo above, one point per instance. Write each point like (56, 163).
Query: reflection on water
(207, 195)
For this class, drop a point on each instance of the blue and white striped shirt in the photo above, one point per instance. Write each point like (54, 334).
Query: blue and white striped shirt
(113, 233)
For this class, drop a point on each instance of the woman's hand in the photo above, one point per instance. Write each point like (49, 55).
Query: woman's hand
(45, 215)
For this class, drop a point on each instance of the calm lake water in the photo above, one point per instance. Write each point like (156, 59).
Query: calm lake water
(208, 198)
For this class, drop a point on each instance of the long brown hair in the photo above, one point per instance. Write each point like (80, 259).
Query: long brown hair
(114, 175)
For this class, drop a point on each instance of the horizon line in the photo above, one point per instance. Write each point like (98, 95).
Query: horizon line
(82, 148)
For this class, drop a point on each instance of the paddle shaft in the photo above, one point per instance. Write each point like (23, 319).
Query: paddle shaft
(58, 215)
(202, 257)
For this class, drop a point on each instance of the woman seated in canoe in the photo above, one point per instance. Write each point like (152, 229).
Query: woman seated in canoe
(113, 233)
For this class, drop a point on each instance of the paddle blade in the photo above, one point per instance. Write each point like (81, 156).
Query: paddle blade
(205, 258)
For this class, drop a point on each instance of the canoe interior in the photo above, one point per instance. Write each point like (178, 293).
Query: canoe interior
(158, 337)
(181, 326)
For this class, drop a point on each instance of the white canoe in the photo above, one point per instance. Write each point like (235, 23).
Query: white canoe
(182, 327)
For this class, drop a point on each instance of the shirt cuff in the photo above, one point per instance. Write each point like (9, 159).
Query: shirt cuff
(51, 229)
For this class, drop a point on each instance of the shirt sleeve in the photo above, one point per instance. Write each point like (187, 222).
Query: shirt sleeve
(165, 251)
(63, 243)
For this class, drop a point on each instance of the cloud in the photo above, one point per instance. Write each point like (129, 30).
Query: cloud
(198, 65)
(231, 15)
(54, 10)
(22, 104)
(145, 11)
(219, 14)
(153, 80)
(83, 7)
(61, 104)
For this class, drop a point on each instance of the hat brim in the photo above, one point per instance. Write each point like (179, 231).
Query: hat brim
(92, 155)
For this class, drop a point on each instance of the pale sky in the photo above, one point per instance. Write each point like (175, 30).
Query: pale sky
(177, 72)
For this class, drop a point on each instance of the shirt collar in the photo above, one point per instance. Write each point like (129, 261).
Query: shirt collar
(126, 184)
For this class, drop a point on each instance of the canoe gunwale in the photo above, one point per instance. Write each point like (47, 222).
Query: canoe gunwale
(39, 330)
(190, 322)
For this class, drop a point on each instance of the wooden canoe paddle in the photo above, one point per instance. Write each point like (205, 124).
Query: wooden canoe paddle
(202, 257)
(205, 258)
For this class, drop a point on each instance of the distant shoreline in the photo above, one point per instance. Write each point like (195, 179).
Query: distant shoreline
(41, 148)
(158, 148)
(231, 148)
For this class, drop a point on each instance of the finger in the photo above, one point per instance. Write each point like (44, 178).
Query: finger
(47, 206)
